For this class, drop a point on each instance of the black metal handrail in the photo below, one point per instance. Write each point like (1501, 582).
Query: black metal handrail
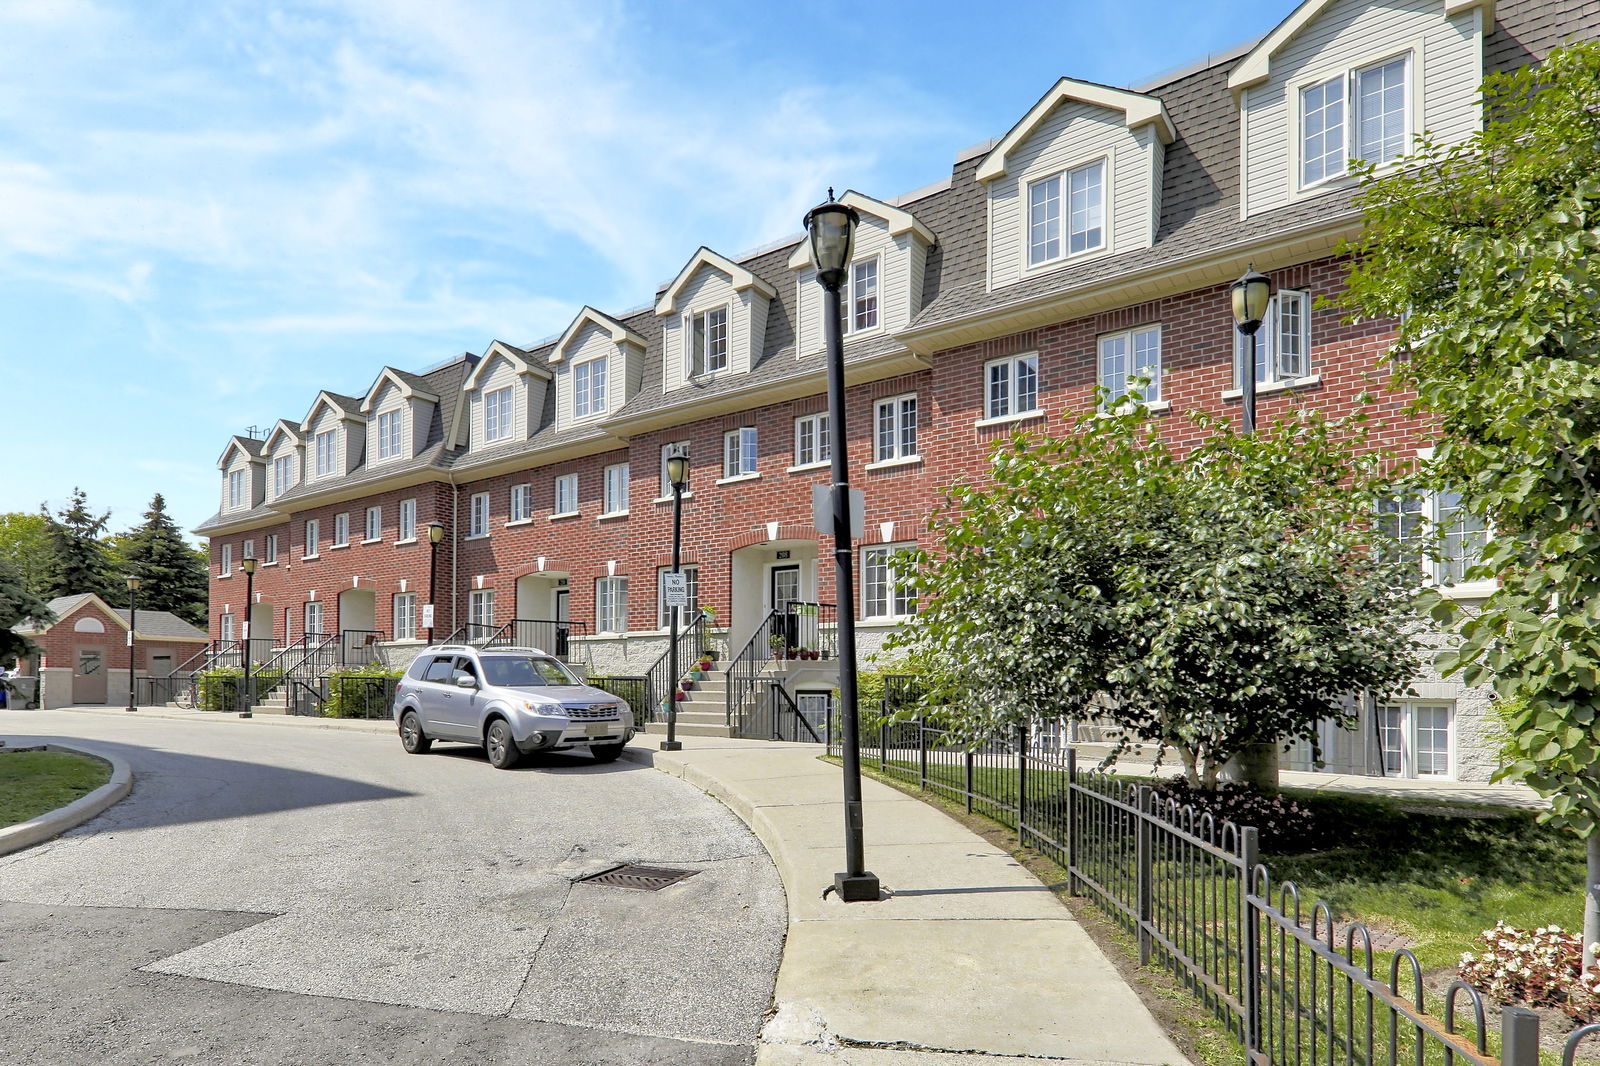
(323, 656)
(272, 671)
(359, 647)
(778, 717)
(661, 686)
(746, 667)
(809, 630)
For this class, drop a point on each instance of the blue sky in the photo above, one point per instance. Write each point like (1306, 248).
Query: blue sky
(209, 211)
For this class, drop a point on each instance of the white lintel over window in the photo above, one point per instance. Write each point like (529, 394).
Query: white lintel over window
(1339, 80)
(882, 289)
(713, 319)
(1080, 174)
(505, 394)
(599, 365)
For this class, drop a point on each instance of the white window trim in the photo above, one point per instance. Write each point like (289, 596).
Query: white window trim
(755, 458)
(805, 468)
(897, 459)
(1115, 403)
(816, 418)
(663, 613)
(399, 526)
(689, 372)
(338, 543)
(472, 516)
(595, 412)
(1106, 201)
(605, 489)
(848, 296)
(885, 464)
(1408, 741)
(333, 454)
(1296, 124)
(890, 549)
(508, 429)
(599, 626)
(1010, 362)
(668, 499)
(1005, 420)
(400, 436)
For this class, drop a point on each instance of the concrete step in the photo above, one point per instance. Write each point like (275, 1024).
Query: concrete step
(689, 729)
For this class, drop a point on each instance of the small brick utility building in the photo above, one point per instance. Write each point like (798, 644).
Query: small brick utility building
(83, 655)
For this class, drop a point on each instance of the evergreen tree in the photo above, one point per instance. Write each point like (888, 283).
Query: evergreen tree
(79, 559)
(17, 603)
(173, 574)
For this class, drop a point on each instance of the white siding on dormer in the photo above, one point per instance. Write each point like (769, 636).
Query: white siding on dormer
(327, 420)
(592, 342)
(501, 373)
(902, 262)
(419, 417)
(254, 487)
(389, 399)
(1076, 134)
(285, 448)
(1446, 64)
(708, 289)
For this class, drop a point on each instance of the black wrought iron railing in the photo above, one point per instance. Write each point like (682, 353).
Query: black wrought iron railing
(808, 631)
(635, 688)
(345, 696)
(660, 684)
(562, 638)
(774, 715)
(359, 647)
(323, 655)
(748, 665)
(269, 673)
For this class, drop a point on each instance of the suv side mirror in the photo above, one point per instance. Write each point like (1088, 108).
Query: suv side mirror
(466, 681)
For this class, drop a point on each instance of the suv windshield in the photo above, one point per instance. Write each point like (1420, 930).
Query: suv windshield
(525, 671)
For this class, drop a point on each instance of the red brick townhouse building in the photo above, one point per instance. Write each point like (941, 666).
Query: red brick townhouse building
(1094, 240)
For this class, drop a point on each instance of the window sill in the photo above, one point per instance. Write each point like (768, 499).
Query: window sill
(408, 540)
(887, 464)
(272, 562)
(336, 547)
(1468, 590)
(753, 476)
(223, 576)
(518, 522)
(610, 516)
(668, 499)
(1030, 270)
(1155, 408)
(476, 536)
(1003, 420)
(805, 468)
(1275, 386)
(886, 620)
(373, 540)
(565, 514)
(309, 558)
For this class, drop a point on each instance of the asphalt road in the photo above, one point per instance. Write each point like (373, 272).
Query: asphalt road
(271, 894)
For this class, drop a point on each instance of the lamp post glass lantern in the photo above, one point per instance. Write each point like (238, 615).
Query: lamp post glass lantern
(1251, 295)
(831, 227)
(248, 687)
(435, 535)
(133, 624)
(678, 475)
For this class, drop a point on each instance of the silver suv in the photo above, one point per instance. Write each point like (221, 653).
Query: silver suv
(511, 701)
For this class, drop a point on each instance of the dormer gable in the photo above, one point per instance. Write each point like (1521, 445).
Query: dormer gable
(1077, 177)
(335, 436)
(882, 291)
(713, 319)
(398, 410)
(1352, 79)
(598, 364)
(243, 486)
(505, 395)
(283, 454)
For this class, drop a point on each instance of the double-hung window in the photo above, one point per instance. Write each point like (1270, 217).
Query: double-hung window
(341, 529)
(616, 489)
(1410, 519)
(708, 341)
(811, 443)
(408, 521)
(1356, 114)
(374, 530)
(314, 618)
(282, 474)
(248, 550)
(1013, 386)
(1415, 738)
(1283, 343)
(739, 452)
(236, 497)
(478, 515)
(225, 561)
(269, 549)
(611, 605)
(589, 388)
(883, 593)
(895, 429)
(521, 503)
(313, 537)
(405, 616)
(480, 607)
(566, 501)
(1130, 361)
(497, 414)
(666, 480)
(861, 302)
(691, 579)
(1066, 213)
(326, 449)
(388, 434)
(225, 622)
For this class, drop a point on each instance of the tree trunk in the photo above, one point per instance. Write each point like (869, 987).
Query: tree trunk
(1591, 904)
(1257, 765)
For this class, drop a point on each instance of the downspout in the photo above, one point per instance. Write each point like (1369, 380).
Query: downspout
(455, 543)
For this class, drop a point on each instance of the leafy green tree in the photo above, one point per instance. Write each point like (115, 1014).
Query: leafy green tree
(17, 603)
(25, 543)
(1209, 601)
(1490, 249)
(173, 574)
(79, 559)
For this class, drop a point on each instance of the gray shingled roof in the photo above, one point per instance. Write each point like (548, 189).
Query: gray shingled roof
(153, 625)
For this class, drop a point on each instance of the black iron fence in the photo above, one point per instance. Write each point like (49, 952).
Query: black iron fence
(774, 715)
(559, 637)
(634, 689)
(357, 696)
(660, 685)
(1291, 984)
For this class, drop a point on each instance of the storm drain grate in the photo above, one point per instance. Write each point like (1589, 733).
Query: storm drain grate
(644, 878)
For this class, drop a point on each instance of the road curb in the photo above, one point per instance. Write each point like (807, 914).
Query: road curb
(54, 823)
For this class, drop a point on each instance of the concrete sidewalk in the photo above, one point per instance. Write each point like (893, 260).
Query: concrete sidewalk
(967, 953)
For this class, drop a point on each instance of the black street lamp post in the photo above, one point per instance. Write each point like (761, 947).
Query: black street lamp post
(1251, 294)
(248, 564)
(678, 475)
(133, 623)
(832, 230)
(435, 535)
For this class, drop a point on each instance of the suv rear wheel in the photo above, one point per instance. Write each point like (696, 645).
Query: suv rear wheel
(501, 745)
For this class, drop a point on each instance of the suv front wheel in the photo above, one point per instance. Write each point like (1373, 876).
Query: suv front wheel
(501, 745)
(411, 735)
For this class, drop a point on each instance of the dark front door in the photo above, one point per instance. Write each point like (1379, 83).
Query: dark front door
(785, 590)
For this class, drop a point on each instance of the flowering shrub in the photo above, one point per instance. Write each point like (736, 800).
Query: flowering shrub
(1275, 817)
(1539, 967)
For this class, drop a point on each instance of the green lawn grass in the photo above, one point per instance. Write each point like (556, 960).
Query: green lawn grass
(36, 782)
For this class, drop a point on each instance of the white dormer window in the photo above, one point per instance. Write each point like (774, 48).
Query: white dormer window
(388, 434)
(1066, 213)
(1013, 386)
(708, 341)
(326, 449)
(236, 497)
(1356, 114)
(861, 302)
(282, 474)
(1283, 343)
(497, 414)
(589, 388)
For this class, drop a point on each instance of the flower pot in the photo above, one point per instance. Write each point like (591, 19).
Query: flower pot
(686, 684)
(682, 695)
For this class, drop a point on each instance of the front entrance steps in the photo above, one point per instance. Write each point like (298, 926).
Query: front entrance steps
(705, 712)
